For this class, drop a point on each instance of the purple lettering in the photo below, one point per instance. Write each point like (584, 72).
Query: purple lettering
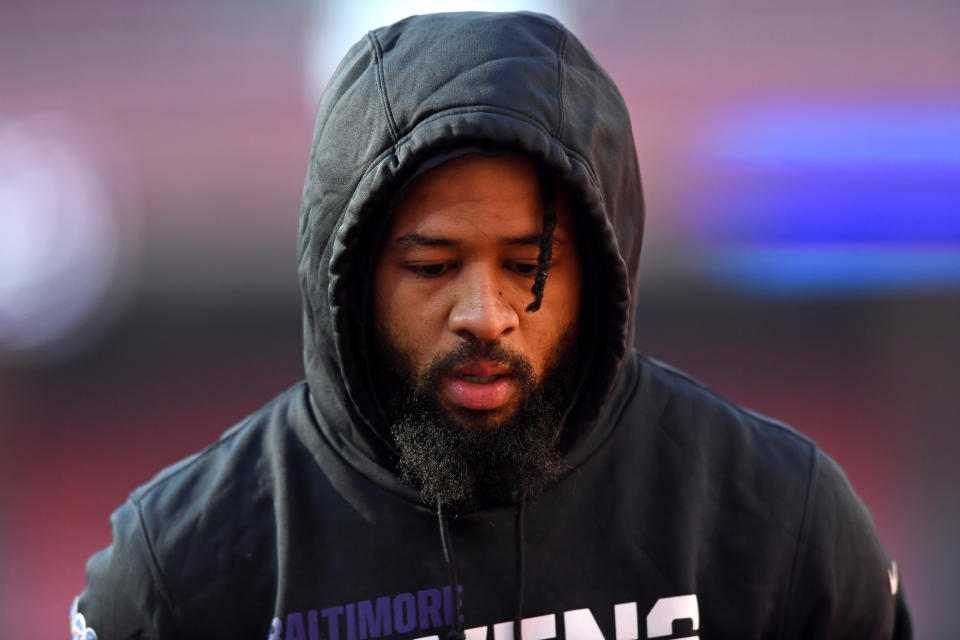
(332, 614)
(312, 624)
(428, 601)
(351, 622)
(404, 613)
(374, 624)
(295, 627)
(448, 606)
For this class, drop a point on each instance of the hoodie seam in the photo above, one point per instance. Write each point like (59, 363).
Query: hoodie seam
(766, 420)
(617, 417)
(394, 149)
(561, 50)
(801, 539)
(382, 87)
(155, 574)
(615, 408)
(155, 484)
(502, 111)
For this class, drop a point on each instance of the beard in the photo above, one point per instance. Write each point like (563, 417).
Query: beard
(460, 455)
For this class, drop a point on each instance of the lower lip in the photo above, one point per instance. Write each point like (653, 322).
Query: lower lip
(480, 395)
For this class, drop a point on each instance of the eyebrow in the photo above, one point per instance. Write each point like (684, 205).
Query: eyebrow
(412, 240)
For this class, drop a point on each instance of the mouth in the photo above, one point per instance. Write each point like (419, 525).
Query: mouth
(480, 386)
(479, 379)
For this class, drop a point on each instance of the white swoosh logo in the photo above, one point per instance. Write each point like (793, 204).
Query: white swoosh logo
(894, 574)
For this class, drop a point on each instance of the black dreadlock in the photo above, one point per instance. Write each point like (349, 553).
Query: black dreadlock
(548, 194)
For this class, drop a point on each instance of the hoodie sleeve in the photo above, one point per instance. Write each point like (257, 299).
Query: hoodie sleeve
(845, 585)
(124, 597)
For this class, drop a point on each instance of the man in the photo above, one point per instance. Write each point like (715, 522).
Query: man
(476, 450)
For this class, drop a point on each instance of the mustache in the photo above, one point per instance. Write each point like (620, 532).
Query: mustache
(471, 350)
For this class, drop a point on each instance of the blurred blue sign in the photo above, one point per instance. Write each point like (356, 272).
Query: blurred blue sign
(823, 200)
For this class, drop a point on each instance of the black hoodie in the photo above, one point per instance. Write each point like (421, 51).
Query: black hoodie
(682, 515)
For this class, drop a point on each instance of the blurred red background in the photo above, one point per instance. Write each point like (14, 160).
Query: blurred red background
(179, 136)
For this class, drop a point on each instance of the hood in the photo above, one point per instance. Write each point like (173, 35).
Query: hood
(427, 89)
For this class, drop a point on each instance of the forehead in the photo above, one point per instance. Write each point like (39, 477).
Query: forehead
(472, 194)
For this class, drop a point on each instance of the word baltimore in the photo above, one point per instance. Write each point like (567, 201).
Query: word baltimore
(432, 609)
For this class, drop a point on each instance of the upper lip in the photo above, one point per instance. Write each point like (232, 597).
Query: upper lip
(481, 369)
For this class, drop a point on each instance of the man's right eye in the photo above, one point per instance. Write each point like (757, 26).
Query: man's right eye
(429, 270)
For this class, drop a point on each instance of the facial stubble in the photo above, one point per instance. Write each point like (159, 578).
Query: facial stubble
(460, 455)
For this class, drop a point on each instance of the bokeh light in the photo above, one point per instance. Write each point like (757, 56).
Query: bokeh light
(833, 200)
(58, 238)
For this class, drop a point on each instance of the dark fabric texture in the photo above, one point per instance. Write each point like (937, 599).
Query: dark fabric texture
(294, 525)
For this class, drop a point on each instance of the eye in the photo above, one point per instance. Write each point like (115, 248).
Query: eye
(433, 270)
(523, 268)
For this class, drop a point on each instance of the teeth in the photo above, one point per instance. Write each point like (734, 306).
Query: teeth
(480, 379)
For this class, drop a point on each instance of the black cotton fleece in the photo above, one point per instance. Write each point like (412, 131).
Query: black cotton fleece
(683, 514)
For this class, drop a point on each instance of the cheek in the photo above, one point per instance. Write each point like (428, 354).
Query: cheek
(560, 312)
(404, 319)
(545, 334)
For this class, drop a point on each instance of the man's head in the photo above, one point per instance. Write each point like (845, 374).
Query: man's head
(476, 384)
(404, 98)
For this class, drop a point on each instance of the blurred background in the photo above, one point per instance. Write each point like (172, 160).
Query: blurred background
(802, 168)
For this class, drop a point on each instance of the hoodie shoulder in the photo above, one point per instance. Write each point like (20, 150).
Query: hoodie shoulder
(776, 508)
(691, 412)
(231, 461)
(200, 528)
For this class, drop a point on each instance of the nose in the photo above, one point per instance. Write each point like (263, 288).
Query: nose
(480, 309)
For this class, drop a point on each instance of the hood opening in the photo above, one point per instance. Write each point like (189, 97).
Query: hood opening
(487, 83)
(594, 304)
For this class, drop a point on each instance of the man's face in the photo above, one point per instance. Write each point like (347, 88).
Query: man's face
(456, 269)
(474, 384)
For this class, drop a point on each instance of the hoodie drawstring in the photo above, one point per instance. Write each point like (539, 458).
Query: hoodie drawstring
(518, 611)
(456, 633)
(446, 542)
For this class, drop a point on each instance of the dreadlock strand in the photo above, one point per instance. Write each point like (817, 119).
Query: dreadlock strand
(544, 258)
